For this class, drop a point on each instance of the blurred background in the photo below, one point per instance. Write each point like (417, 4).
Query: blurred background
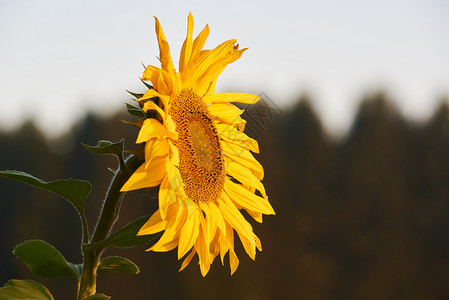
(353, 130)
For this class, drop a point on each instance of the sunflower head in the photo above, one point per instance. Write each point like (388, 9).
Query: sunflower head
(195, 149)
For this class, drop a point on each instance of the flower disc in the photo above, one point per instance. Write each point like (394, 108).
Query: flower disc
(200, 152)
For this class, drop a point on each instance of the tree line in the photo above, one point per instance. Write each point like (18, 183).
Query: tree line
(362, 217)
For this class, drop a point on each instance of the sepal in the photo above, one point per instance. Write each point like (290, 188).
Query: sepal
(135, 94)
(149, 86)
(135, 111)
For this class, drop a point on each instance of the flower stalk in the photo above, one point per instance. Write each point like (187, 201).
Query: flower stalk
(108, 216)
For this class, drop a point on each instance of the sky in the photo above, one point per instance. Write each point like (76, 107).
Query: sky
(59, 59)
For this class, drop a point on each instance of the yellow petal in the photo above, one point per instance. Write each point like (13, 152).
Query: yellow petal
(231, 97)
(237, 122)
(209, 223)
(243, 157)
(223, 250)
(164, 83)
(154, 225)
(152, 93)
(167, 196)
(168, 246)
(233, 260)
(216, 214)
(246, 199)
(258, 243)
(177, 85)
(215, 245)
(201, 56)
(202, 248)
(211, 89)
(197, 46)
(189, 233)
(214, 70)
(171, 128)
(225, 243)
(231, 134)
(147, 176)
(170, 239)
(150, 105)
(225, 111)
(151, 73)
(154, 148)
(186, 50)
(243, 175)
(204, 61)
(151, 128)
(172, 192)
(257, 216)
(233, 216)
(164, 49)
(187, 260)
(199, 41)
(166, 61)
(159, 78)
(174, 152)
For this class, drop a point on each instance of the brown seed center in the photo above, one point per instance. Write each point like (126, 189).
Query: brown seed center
(200, 152)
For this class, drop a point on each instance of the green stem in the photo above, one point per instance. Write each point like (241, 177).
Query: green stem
(85, 228)
(108, 216)
(123, 166)
(87, 286)
(111, 205)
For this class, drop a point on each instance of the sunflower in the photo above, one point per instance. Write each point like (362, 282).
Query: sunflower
(195, 149)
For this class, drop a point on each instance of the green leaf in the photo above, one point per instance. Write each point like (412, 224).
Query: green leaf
(75, 191)
(24, 289)
(117, 264)
(106, 147)
(135, 111)
(127, 236)
(76, 268)
(44, 260)
(98, 297)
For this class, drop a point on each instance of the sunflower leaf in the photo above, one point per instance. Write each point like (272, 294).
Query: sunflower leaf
(98, 297)
(117, 264)
(135, 111)
(16, 289)
(127, 236)
(74, 191)
(76, 268)
(106, 147)
(44, 260)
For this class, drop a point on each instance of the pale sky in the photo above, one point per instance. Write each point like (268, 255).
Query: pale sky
(61, 58)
